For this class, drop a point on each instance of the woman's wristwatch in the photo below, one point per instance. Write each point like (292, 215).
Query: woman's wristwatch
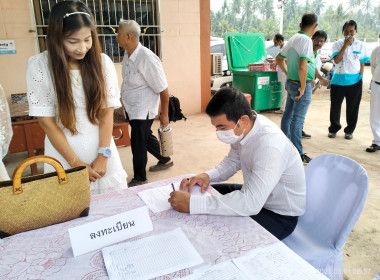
(105, 151)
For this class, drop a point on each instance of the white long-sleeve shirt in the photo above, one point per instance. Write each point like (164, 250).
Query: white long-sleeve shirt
(273, 175)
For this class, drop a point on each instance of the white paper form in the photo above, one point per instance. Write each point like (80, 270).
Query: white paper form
(150, 257)
(221, 271)
(276, 262)
(157, 198)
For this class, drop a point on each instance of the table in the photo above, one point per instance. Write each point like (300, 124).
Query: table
(27, 136)
(46, 253)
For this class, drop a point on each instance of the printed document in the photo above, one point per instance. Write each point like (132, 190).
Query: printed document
(157, 198)
(276, 262)
(221, 271)
(150, 257)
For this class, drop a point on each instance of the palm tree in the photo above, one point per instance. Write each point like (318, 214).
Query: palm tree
(318, 6)
(341, 15)
(266, 8)
(247, 14)
(353, 4)
(235, 11)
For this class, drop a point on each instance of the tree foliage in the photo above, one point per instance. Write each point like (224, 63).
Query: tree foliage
(259, 16)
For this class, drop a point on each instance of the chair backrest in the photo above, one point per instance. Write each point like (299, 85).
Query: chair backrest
(336, 190)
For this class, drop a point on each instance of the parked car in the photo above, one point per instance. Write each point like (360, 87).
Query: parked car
(370, 47)
(326, 52)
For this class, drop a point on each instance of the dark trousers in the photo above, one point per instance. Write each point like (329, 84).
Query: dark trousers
(353, 95)
(143, 141)
(279, 225)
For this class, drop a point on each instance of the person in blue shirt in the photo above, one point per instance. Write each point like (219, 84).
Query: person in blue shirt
(349, 56)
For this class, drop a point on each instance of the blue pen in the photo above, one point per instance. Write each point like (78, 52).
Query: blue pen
(173, 187)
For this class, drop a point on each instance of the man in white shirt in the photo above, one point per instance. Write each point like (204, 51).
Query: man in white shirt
(273, 193)
(375, 101)
(349, 56)
(144, 85)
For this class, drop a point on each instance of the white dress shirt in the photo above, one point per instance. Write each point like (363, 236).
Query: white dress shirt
(273, 175)
(143, 80)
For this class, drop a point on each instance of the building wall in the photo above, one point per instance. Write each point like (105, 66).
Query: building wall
(15, 24)
(181, 52)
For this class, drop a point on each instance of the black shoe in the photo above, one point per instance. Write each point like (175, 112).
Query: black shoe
(331, 135)
(373, 148)
(305, 159)
(305, 135)
(348, 136)
(135, 182)
(160, 166)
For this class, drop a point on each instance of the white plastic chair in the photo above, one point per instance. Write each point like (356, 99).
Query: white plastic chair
(336, 190)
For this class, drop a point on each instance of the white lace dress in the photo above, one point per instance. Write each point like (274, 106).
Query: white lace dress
(43, 103)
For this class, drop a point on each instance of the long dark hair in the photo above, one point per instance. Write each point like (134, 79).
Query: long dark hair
(60, 26)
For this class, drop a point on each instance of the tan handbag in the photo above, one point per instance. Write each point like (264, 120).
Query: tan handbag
(42, 200)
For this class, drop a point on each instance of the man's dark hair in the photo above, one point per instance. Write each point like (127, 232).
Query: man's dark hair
(279, 37)
(319, 34)
(231, 102)
(308, 20)
(350, 23)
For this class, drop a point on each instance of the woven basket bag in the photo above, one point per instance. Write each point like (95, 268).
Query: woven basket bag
(42, 200)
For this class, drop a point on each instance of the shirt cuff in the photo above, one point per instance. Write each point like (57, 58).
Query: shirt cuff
(364, 59)
(198, 204)
(41, 111)
(212, 174)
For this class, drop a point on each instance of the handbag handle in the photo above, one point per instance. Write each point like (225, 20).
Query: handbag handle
(62, 177)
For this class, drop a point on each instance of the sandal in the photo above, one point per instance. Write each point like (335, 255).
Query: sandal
(373, 148)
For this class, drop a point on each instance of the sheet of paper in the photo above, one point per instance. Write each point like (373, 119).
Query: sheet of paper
(104, 232)
(221, 271)
(157, 198)
(276, 262)
(150, 257)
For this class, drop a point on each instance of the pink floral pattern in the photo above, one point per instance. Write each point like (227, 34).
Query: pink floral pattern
(46, 253)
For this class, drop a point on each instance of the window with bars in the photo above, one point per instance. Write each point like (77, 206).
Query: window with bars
(107, 14)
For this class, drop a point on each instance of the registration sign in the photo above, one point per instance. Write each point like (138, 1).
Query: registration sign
(7, 46)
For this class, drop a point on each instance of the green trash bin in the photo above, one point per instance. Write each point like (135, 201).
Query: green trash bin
(246, 48)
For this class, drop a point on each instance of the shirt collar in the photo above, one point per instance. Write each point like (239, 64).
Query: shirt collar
(302, 32)
(253, 130)
(135, 53)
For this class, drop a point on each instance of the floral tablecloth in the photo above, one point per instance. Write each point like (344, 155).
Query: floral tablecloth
(46, 253)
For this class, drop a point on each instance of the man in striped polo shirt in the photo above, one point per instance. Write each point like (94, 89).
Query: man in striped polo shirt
(298, 52)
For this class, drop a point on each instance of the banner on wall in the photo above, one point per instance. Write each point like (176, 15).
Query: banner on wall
(7, 46)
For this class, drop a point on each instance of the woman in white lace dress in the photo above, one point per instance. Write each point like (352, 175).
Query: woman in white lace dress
(73, 90)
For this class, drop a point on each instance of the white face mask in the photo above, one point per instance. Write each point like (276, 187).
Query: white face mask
(228, 136)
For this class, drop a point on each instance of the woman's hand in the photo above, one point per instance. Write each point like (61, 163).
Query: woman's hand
(99, 165)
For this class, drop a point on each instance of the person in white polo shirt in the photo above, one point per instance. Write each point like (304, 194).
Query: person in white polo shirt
(274, 189)
(375, 101)
(347, 82)
(144, 85)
